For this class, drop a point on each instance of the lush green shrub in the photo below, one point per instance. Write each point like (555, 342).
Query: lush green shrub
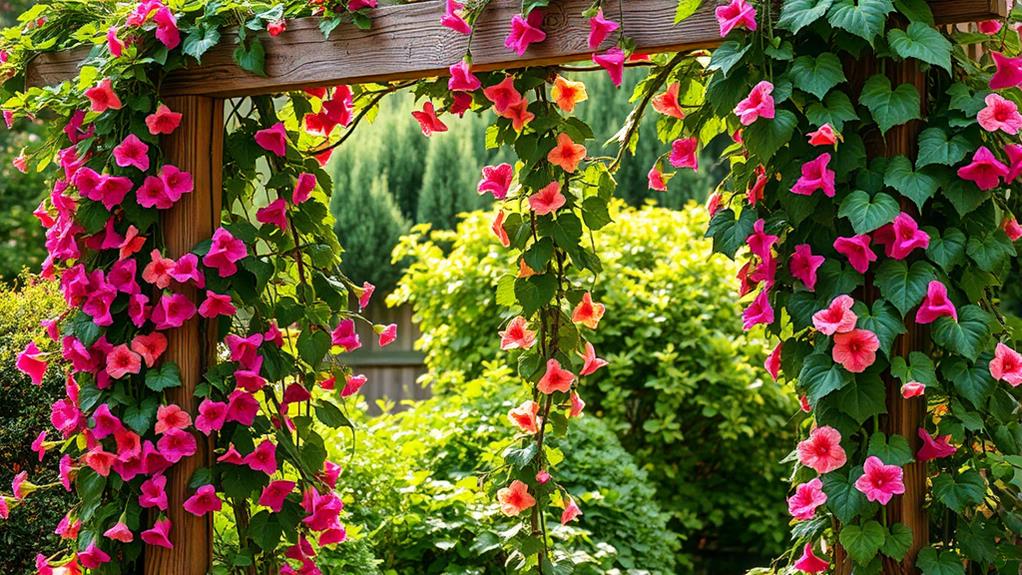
(24, 412)
(684, 388)
(412, 489)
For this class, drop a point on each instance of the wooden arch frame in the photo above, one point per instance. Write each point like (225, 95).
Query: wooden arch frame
(408, 42)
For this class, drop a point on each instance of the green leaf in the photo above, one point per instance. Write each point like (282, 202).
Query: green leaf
(919, 367)
(594, 213)
(313, 346)
(868, 213)
(163, 377)
(936, 148)
(836, 109)
(977, 540)
(765, 138)
(535, 292)
(932, 562)
(728, 233)
(817, 75)
(890, 107)
(864, 18)
(140, 417)
(685, 9)
(946, 250)
(892, 451)
(566, 230)
(520, 457)
(915, 10)
(973, 382)
(965, 336)
(990, 250)
(538, 255)
(862, 542)
(331, 415)
(883, 320)
(965, 196)
(200, 40)
(820, 376)
(265, 530)
(797, 14)
(904, 287)
(843, 499)
(864, 397)
(916, 186)
(898, 541)
(251, 58)
(957, 493)
(922, 42)
(727, 56)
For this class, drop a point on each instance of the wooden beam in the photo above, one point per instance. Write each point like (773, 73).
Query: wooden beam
(964, 11)
(196, 147)
(407, 41)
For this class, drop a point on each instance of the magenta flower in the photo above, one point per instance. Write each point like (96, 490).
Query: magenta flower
(525, 32)
(92, 557)
(760, 243)
(263, 458)
(759, 104)
(231, 456)
(176, 182)
(462, 79)
(39, 445)
(810, 563)
(934, 448)
(613, 61)
(176, 444)
(773, 362)
(242, 407)
(172, 310)
(912, 389)
(857, 250)
(1006, 365)
(166, 28)
(275, 214)
(30, 363)
(352, 384)
(985, 170)
(808, 496)
(186, 270)
(275, 493)
(154, 493)
(159, 535)
(990, 27)
(303, 188)
(216, 305)
(428, 120)
(803, 265)
(273, 139)
(203, 501)
(936, 304)
(497, 180)
(119, 532)
(295, 393)
(114, 44)
(655, 178)
(323, 510)
(139, 309)
(555, 378)
(153, 193)
(599, 29)
(224, 253)
(1012, 228)
(1014, 152)
(387, 335)
(816, 176)
(249, 380)
(211, 416)
(683, 153)
(19, 484)
(102, 97)
(838, 317)
(121, 361)
(1000, 114)
(901, 237)
(759, 312)
(1009, 72)
(880, 482)
(822, 451)
(345, 336)
(163, 121)
(454, 18)
(122, 277)
(736, 14)
(105, 423)
(132, 152)
(855, 350)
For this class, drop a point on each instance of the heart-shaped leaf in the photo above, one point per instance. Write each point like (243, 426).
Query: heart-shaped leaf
(890, 107)
(868, 213)
(817, 75)
(902, 285)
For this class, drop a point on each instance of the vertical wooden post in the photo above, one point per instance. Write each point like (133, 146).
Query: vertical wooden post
(195, 147)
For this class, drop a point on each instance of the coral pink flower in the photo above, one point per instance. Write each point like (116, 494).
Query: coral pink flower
(216, 305)
(163, 121)
(462, 79)
(591, 363)
(303, 188)
(93, 557)
(203, 501)
(275, 214)
(822, 451)
(567, 94)
(855, 350)
(548, 200)
(1012, 228)
(263, 458)
(365, 295)
(132, 152)
(655, 179)
(275, 493)
(121, 361)
(773, 362)
(1009, 72)
(588, 313)
(525, 416)
(428, 120)
(936, 304)
(102, 97)
(159, 535)
(276, 28)
(566, 154)
(519, 114)
(224, 253)
(599, 29)
(352, 384)
(577, 405)
(1006, 365)
(759, 104)
(934, 448)
(68, 528)
(808, 496)
(880, 482)
(816, 176)
(157, 271)
(30, 363)
(1000, 114)
(912, 389)
(172, 311)
(344, 335)
(387, 335)
(683, 153)
(985, 170)
(613, 61)
(154, 493)
(825, 136)
(810, 563)
(736, 14)
(454, 18)
(273, 139)
(759, 312)
(503, 95)
(119, 532)
(497, 227)
(667, 103)
(857, 250)
(525, 32)
(555, 378)
(571, 512)
(515, 498)
(517, 335)
(171, 417)
(176, 444)
(837, 318)
(804, 265)
(497, 180)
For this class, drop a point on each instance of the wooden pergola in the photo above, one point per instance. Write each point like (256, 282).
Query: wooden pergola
(408, 42)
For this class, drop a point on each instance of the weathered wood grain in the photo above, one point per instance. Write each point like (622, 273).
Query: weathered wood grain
(959, 11)
(196, 147)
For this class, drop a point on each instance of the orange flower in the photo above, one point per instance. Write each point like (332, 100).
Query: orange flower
(499, 231)
(667, 103)
(588, 313)
(567, 93)
(519, 114)
(515, 498)
(566, 154)
(526, 416)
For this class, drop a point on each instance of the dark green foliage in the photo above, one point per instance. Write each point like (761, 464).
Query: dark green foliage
(24, 412)
(451, 176)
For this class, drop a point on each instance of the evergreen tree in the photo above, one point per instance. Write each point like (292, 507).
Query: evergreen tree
(451, 175)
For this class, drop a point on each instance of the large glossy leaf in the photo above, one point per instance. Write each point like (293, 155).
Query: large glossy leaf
(863, 542)
(890, 107)
(867, 213)
(797, 14)
(817, 75)
(922, 42)
(965, 336)
(864, 18)
(902, 285)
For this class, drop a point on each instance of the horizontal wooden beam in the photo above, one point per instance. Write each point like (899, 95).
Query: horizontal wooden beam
(963, 11)
(406, 42)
